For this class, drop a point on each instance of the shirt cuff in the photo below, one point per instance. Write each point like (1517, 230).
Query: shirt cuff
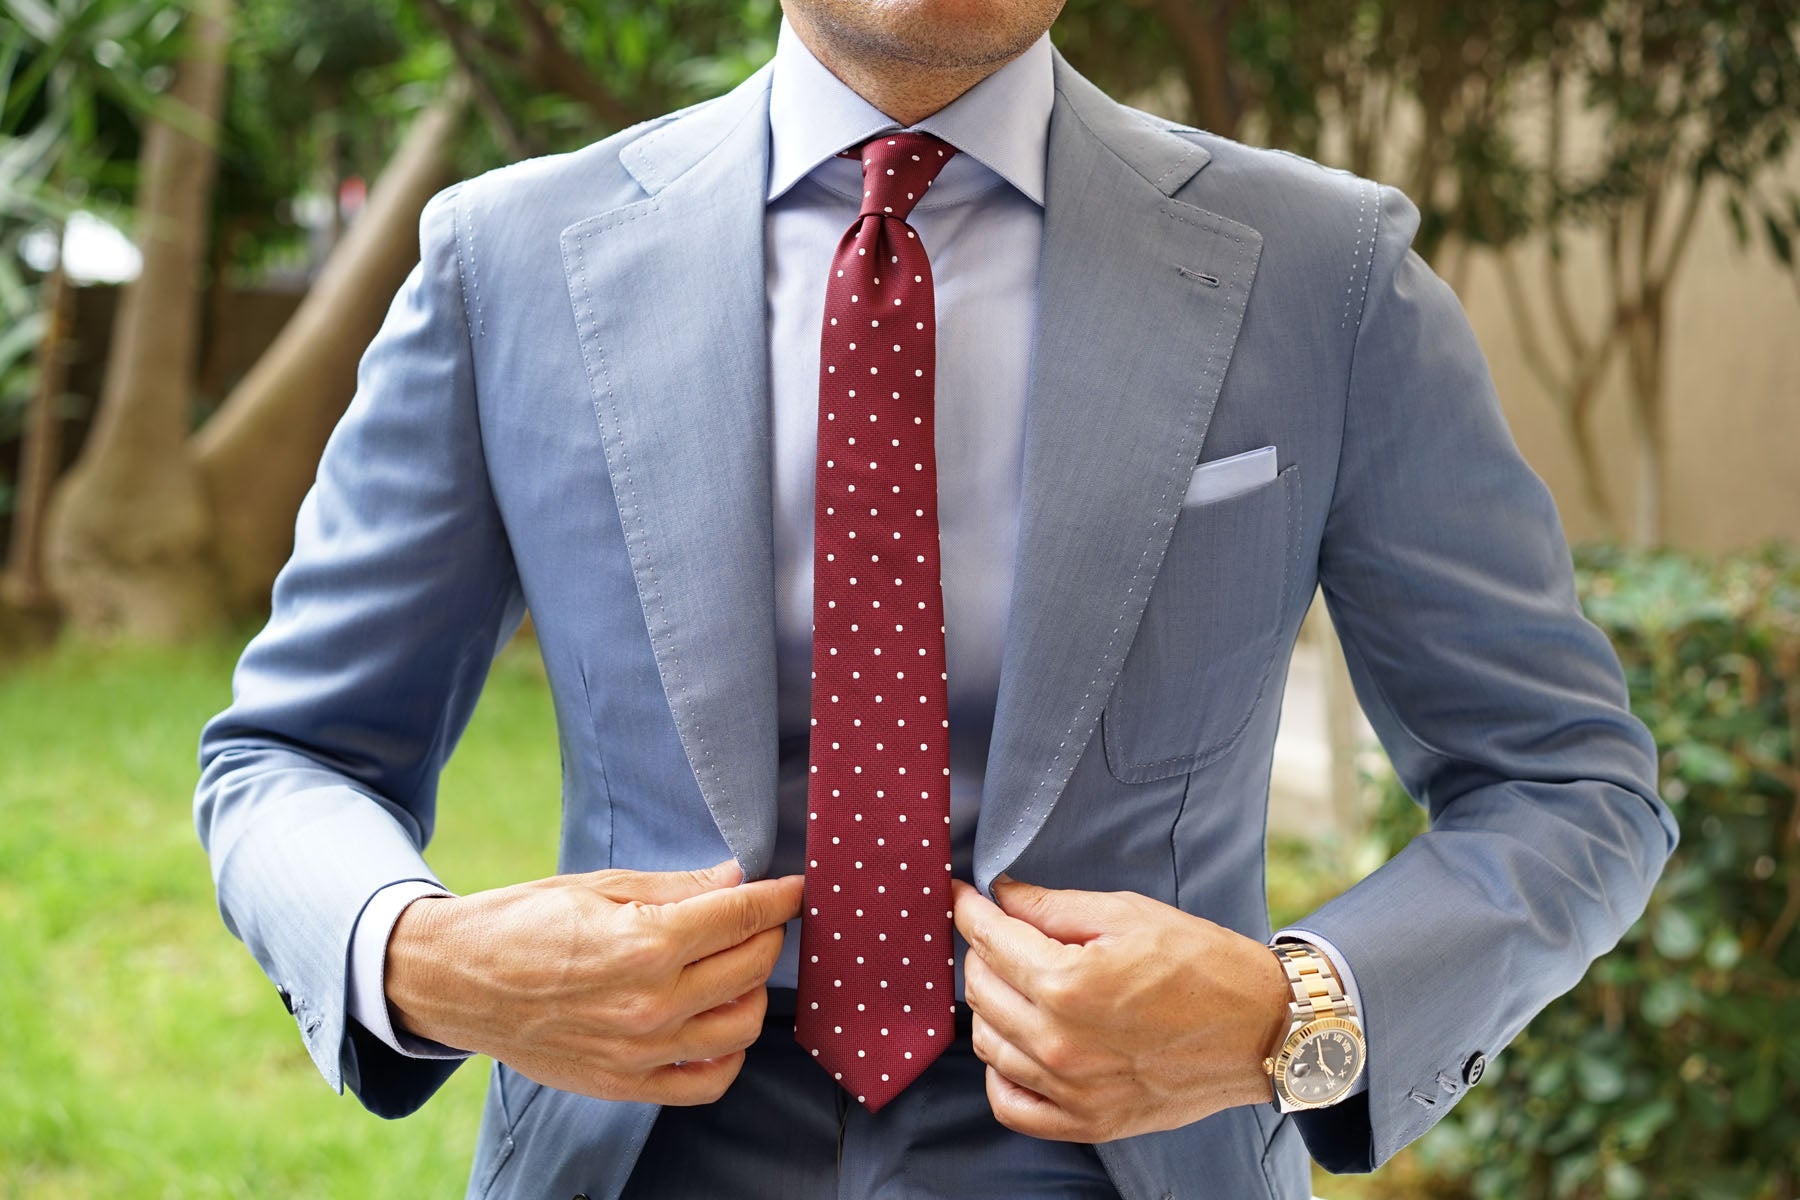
(1345, 977)
(368, 969)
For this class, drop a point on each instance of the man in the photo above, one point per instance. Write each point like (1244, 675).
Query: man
(1145, 388)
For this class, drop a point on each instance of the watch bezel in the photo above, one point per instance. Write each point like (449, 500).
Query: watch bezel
(1300, 1037)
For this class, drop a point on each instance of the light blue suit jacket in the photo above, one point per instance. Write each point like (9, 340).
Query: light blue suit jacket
(567, 409)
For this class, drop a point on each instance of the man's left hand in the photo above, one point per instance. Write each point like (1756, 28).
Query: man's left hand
(1101, 1015)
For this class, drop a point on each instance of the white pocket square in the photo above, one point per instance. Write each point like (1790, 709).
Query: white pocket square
(1228, 476)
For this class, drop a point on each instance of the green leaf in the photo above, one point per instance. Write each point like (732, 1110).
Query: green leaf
(1664, 1002)
(1571, 1172)
(36, 17)
(1600, 1080)
(1723, 950)
(1754, 1097)
(1702, 762)
(1676, 934)
(20, 341)
(1779, 239)
(1548, 1077)
(1639, 1126)
(1624, 1182)
(1734, 208)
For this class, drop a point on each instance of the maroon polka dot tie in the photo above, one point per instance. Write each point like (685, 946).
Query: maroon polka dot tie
(876, 990)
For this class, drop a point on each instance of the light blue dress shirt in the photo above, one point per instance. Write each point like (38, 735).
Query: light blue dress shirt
(982, 225)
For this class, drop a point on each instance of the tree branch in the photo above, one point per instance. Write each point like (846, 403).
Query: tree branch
(1583, 391)
(1650, 215)
(1531, 350)
(1574, 396)
(1684, 229)
(548, 64)
(1626, 299)
(1366, 99)
(461, 36)
(1555, 284)
(1457, 260)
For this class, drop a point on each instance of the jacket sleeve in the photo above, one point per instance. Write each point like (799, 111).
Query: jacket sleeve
(318, 783)
(1504, 711)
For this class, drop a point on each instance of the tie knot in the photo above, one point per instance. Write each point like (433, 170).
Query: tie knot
(897, 168)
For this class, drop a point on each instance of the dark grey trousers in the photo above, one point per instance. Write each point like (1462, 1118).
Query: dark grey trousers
(787, 1131)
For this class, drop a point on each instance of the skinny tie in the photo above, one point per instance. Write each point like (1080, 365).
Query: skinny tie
(876, 992)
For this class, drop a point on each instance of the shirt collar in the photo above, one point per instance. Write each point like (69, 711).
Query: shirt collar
(1003, 122)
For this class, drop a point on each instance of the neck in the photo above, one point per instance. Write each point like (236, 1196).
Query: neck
(907, 92)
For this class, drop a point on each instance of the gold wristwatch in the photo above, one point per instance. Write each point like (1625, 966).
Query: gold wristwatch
(1322, 1054)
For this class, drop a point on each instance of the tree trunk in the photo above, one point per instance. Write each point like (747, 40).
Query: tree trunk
(259, 453)
(40, 458)
(128, 537)
(1201, 33)
(1649, 385)
(1341, 733)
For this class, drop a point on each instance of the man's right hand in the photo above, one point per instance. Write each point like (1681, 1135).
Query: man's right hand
(623, 985)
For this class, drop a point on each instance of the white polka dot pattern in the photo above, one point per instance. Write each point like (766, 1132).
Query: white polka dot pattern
(873, 1010)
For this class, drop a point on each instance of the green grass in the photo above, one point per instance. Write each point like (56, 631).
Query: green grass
(142, 1052)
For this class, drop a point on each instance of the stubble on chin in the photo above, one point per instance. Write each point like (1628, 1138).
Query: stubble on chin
(916, 34)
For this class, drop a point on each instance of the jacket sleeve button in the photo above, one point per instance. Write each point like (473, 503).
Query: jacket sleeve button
(1473, 1069)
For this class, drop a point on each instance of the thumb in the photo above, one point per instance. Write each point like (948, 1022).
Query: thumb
(1070, 916)
(668, 887)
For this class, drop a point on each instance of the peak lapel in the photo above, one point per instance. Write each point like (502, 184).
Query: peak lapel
(1131, 350)
(669, 307)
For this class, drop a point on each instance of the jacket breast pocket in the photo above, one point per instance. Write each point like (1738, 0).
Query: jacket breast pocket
(1203, 652)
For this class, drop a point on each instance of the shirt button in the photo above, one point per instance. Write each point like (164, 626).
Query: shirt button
(1473, 1069)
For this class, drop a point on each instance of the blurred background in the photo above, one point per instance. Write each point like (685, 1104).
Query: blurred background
(207, 205)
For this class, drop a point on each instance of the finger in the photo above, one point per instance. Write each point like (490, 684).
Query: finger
(1068, 915)
(720, 977)
(994, 1049)
(665, 887)
(721, 1031)
(715, 921)
(992, 999)
(1016, 950)
(690, 1083)
(1024, 1111)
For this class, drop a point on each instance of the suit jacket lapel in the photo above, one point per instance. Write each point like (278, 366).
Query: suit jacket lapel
(669, 303)
(1140, 302)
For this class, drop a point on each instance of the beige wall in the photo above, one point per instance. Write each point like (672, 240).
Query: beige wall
(1734, 405)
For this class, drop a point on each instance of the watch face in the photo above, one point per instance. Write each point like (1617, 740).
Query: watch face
(1323, 1066)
